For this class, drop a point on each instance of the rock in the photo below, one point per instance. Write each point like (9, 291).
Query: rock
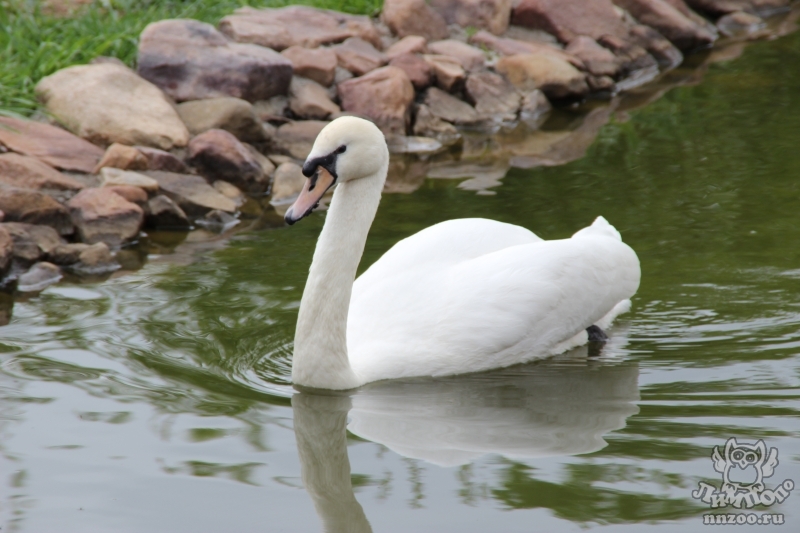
(413, 17)
(225, 113)
(161, 160)
(740, 23)
(308, 99)
(66, 254)
(113, 177)
(296, 25)
(492, 15)
(508, 47)
(131, 193)
(598, 60)
(535, 107)
(426, 124)
(29, 173)
(631, 56)
(191, 60)
(566, 19)
(297, 138)
(410, 44)
(557, 79)
(49, 144)
(101, 215)
(31, 242)
(122, 156)
(447, 71)
(318, 64)
(95, 259)
(401, 144)
(107, 103)
(667, 55)
(38, 277)
(231, 191)
(417, 69)
(219, 155)
(358, 56)
(6, 251)
(165, 214)
(267, 166)
(192, 193)
(276, 107)
(384, 95)
(493, 97)
(217, 221)
(471, 58)
(671, 23)
(447, 107)
(33, 207)
(288, 183)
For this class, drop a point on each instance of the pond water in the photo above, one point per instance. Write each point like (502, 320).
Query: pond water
(159, 400)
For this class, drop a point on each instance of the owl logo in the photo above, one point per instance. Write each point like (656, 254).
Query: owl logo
(744, 466)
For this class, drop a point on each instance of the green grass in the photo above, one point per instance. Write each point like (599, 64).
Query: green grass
(34, 45)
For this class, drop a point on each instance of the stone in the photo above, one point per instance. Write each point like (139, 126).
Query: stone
(718, 8)
(31, 242)
(225, 113)
(318, 64)
(276, 107)
(190, 60)
(669, 22)
(447, 71)
(49, 144)
(33, 207)
(414, 17)
(492, 96)
(113, 177)
(217, 221)
(740, 23)
(417, 69)
(410, 44)
(507, 47)
(630, 55)
(267, 166)
(296, 25)
(664, 52)
(358, 56)
(66, 254)
(163, 213)
(131, 193)
(308, 99)
(297, 138)
(101, 215)
(492, 15)
(598, 60)
(471, 58)
(29, 173)
(95, 259)
(447, 107)
(384, 96)
(217, 154)
(413, 144)
(535, 108)
(231, 191)
(6, 251)
(556, 79)
(38, 277)
(566, 19)
(107, 103)
(192, 193)
(161, 160)
(123, 157)
(288, 183)
(426, 124)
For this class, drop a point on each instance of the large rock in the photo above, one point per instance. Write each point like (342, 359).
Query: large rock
(309, 99)
(449, 108)
(54, 146)
(31, 242)
(101, 215)
(6, 251)
(598, 60)
(471, 58)
(447, 71)
(493, 97)
(384, 95)
(123, 157)
(225, 113)
(358, 56)
(417, 69)
(318, 64)
(191, 60)
(509, 47)
(296, 25)
(218, 155)
(192, 193)
(557, 79)
(566, 19)
(410, 44)
(163, 213)
(297, 138)
(489, 15)
(289, 181)
(32, 207)
(107, 103)
(30, 173)
(414, 17)
(67, 254)
(670, 22)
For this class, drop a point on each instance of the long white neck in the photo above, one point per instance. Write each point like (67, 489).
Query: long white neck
(320, 341)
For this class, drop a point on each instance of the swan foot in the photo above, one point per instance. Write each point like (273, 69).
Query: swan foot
(597, 339)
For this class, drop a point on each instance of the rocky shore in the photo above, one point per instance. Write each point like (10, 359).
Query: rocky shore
(211, 127)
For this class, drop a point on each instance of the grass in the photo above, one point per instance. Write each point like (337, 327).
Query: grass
(34, 44)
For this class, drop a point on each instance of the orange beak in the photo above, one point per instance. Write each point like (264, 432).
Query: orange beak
(313, 190)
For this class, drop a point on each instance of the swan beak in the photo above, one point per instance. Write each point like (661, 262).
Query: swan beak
(313, 189)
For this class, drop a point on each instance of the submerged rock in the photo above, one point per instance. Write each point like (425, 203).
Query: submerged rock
(225, 113)
(217, 221)
(29, 173)
(49, 144)
(384, 95)
(32, 207)
(38, 277)
(95, 259)
(102, 215)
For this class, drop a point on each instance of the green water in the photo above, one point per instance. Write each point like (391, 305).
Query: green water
(159, 400)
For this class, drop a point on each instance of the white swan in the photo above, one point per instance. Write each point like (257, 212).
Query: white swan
(460, 296)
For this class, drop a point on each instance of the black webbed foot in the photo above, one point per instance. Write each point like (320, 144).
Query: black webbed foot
(597, 339)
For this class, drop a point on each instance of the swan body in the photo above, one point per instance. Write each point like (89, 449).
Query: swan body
(461, 296)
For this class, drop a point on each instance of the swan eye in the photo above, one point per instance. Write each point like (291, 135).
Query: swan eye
(341, 149)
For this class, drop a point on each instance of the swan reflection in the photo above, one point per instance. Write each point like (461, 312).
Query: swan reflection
(564, 406)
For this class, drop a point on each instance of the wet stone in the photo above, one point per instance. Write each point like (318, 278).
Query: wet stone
(163, 213)
(38, 277)
(31, 242)
(67, 254)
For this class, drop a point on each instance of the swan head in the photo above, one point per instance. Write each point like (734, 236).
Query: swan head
(347, 149)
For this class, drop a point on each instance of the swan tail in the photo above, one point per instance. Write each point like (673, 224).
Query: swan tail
(599, 228)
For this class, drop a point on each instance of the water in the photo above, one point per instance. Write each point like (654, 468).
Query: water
(159, 400)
